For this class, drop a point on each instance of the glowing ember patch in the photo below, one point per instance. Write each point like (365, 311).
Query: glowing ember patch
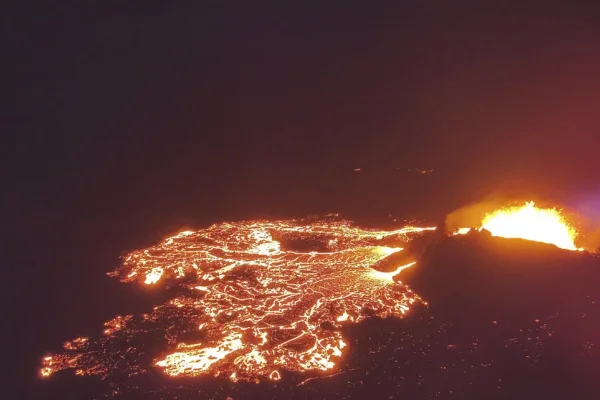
(532, 223)
(116, 324)
(343, 317)
(258, 306)
(153, 275)
(274, 376)
(462, 231)
(75, 344)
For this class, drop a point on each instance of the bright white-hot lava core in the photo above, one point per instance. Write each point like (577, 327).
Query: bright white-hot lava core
(529, 222)
(250, 299)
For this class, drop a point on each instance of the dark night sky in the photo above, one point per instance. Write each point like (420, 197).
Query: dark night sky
(128, 122)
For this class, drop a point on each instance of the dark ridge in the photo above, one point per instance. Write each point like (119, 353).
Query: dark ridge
(510, 275)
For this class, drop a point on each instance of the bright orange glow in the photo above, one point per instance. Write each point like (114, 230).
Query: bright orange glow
(462, 231)
(529, 222)
(254, 298)
(274, 376)
(152, 276)
(546, 225)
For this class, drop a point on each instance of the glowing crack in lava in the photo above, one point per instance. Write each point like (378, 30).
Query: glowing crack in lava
(253, 298)
(529, 222)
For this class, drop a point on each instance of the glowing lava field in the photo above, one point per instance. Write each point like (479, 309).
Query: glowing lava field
(256, 306)
(252, 300)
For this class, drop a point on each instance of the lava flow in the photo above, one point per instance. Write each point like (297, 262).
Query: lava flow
(252, 299)
(529, 222)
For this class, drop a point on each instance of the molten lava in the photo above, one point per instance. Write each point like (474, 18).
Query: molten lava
(529, 222)
(253, 298)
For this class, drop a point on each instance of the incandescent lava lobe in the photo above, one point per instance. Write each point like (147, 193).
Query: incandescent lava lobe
(253, 298)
